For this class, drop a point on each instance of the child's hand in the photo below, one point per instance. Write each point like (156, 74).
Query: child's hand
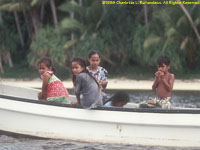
(159, 74)
(40, 97)
(103, 83)
(73, 103)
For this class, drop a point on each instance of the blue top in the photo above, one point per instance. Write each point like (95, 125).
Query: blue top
(108, 104)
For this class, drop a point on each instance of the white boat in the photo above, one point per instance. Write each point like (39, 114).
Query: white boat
(21, 112)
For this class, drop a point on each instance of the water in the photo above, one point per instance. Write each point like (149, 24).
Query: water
(24, 143)
(190, 99)
(10, 141)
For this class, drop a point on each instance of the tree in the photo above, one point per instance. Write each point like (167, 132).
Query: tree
(170, 31)
(53, 8)
(48, 43)
(85, 19)
(7, 43)
(190, 19)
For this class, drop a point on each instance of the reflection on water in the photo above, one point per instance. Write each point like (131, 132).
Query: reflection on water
(18, 142)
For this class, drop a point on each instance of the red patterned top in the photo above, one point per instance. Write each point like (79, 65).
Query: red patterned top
(56, 90)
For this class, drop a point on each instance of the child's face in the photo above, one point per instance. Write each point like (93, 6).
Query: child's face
(42, 68)
(163, 68)
(94, 60)
(76, 68)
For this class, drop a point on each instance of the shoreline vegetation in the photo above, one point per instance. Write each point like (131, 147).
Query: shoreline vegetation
(24, 71)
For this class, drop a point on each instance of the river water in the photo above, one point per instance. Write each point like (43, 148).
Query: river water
(10, 141)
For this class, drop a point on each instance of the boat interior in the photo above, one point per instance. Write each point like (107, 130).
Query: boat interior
(30, 95)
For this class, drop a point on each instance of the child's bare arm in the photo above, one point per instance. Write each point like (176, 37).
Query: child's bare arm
(78, 98)
(103, 83)
(155, 84)
(44, 85)
(40, 97)
(156, 81)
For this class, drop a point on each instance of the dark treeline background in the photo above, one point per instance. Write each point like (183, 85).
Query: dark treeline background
(129, 37)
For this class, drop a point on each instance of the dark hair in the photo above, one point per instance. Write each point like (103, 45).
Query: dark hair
(82, 63)
(163, 59)
(120, 96)
(47, 61)
(92, 53)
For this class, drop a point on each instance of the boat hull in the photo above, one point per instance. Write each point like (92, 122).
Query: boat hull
(106, 125)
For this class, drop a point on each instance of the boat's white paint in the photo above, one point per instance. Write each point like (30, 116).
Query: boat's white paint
(99, 125)
(17, 91)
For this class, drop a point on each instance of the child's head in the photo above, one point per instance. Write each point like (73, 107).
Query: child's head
(94, 59)
(120, 99)
(163, 59)
(163, 62)
(45, 64)
(78, 66)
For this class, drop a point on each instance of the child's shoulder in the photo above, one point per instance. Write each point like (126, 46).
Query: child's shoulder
(82, 75)
(171, 75)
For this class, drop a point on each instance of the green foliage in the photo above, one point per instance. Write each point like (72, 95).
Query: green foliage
(8, 39)
(71, 6)
(48, 43)
(69, 25)
(86, 20)
(119, 32)
(171, 36)
(90, 43)
(19, 5)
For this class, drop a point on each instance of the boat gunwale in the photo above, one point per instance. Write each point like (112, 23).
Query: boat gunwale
(138, 110)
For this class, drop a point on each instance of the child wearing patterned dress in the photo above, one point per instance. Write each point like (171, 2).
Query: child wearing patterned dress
(52, 88)
(163, 84)
(98, 72)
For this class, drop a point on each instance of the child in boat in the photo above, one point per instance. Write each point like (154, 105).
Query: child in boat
(163, 84)
(97, 71)
(85, 85)
(52, 88)
(119, 99)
